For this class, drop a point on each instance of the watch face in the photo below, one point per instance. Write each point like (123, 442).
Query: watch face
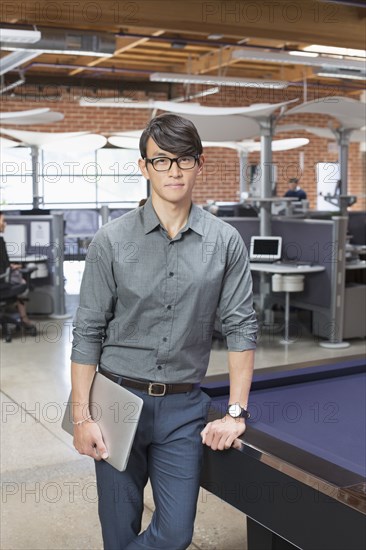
(234, 410)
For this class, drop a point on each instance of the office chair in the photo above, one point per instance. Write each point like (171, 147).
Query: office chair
(9, 296)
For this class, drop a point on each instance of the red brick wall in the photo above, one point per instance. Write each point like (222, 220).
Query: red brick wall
(220, 179)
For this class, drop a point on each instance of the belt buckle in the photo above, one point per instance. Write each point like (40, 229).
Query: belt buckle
(160, 393)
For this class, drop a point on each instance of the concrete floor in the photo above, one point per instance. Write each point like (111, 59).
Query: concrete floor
(48, 490)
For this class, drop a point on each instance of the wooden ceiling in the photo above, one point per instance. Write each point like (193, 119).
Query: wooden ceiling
(174, 36)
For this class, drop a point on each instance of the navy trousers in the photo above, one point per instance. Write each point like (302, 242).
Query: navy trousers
(168, 450)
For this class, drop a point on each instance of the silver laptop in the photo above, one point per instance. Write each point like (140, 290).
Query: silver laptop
(117, 412)
(265, 249)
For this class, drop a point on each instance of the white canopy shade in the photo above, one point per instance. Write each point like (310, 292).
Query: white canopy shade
(39, 139)
(356, 136)
(78, 144)
(33, 116)
(253, 111)
(215, 123)
(349, 112)
(8, 143)
(124, 142)
(254, 146)
(130, 142)
(224, 128)
(130, 133)
(118, 103)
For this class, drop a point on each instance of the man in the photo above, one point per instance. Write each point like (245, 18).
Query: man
(15, 277)
(295, 190)
(153, 281)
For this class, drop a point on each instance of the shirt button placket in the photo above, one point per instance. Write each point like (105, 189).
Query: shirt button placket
(170, 296)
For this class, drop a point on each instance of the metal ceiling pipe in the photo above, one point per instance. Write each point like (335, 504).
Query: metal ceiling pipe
(193, 41)
(70, 41)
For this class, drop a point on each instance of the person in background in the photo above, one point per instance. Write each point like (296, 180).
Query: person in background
(295, 190)
(15, 277)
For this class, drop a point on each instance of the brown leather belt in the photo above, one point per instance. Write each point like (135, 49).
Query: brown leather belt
(156, 389)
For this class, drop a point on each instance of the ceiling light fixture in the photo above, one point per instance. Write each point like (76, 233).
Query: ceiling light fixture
(215, 36)
(303, 53)
(252, 54)
(181, 78)
(331, 50)
(19, 36)
(64, 52)
(15, 59)
(335, 74)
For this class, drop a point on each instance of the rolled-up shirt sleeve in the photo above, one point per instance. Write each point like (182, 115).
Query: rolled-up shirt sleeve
(97, 300)
(238, 318)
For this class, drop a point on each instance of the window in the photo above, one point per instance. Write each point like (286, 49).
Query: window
(119, 179)
(69, 179)
(327, 178)
(16, 177)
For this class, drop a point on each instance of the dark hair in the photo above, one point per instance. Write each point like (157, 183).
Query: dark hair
(172, 133)
(293, 180)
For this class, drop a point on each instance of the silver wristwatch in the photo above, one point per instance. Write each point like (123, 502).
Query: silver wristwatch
(236, 411)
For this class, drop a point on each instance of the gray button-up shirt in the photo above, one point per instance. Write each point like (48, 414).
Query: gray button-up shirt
(148, 303)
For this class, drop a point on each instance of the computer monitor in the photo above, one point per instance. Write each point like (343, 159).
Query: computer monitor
(265, 249)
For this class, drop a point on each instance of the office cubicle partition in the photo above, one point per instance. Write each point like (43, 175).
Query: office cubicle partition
(39, 240)
(357, 227)
(80, 227)
(312, 242)
(302, 241)
(317, 242)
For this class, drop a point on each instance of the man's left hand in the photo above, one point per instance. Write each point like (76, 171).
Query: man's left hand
(221, 434)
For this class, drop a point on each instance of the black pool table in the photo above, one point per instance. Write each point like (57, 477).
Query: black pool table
(299, 472)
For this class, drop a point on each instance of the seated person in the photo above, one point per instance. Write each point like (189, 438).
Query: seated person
(15, 277)
(295, 190)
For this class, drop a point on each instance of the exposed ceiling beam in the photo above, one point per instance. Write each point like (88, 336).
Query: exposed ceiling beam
(312, 22)
(212, 61)
(123, 45)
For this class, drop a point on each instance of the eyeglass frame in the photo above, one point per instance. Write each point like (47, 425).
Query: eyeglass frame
(175, 159)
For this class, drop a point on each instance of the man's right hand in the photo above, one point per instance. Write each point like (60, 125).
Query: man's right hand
(88, 440)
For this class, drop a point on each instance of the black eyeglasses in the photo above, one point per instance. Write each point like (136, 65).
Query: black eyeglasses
(163, 164)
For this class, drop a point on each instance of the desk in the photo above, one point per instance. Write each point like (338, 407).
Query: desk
(360, 264)
(281, 268)
(285, 268)
(29, 258)
(300, 472)
(40, 261)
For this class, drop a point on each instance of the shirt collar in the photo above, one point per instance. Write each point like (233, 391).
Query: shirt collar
(151, 220)
(150, 217)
